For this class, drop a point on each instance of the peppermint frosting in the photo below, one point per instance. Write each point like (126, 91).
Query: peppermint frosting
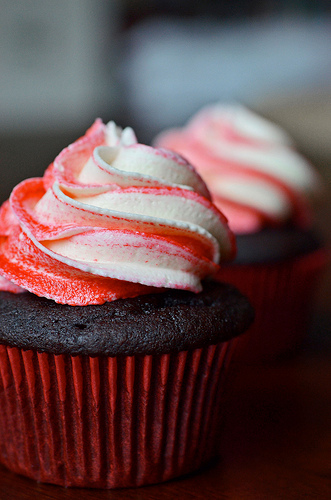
(255, 175)
(111, 219)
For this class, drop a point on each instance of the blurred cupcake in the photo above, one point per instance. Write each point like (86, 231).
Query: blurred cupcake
(266, 190)
(113, 353)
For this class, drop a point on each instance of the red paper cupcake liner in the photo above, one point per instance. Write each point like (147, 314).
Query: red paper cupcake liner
(282, 295)
(110, 422)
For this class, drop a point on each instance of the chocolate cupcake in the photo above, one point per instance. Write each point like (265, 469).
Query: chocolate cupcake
(113, 353)
(265, 188)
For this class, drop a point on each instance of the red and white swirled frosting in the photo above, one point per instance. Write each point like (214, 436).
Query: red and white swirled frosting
(111, 219)
(255, 175)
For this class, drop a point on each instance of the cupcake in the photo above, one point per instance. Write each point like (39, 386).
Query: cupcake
(114, 339)
(266, 189)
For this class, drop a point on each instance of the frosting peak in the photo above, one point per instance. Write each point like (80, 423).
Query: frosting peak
(110, 219)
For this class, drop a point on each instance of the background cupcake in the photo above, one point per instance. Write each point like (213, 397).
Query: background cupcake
(113, 354)
(266, 189)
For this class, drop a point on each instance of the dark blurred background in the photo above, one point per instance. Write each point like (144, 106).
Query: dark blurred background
(150, 64)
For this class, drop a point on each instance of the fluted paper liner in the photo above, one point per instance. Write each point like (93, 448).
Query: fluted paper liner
(110, 422)
(282, 295)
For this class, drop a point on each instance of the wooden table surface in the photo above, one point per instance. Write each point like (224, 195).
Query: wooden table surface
(276, 442)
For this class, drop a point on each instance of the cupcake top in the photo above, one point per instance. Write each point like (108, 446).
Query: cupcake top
(255, 175)
(111, 219)
(158, 323)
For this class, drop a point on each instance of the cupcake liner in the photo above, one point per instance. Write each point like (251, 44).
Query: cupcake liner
(109, 422)
(282, 295)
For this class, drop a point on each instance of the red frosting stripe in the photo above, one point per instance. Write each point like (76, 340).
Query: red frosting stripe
(47, 277)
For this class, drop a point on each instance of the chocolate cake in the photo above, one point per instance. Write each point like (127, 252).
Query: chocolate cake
(160, 323)
(275, 245)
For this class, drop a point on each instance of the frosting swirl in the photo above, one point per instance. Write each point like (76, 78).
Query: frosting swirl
(111, 219)
(254, 173)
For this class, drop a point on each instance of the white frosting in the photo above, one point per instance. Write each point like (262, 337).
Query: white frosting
(244, 122)
(238, 136)
(246, 161)
(125, 211)
(267, 199)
